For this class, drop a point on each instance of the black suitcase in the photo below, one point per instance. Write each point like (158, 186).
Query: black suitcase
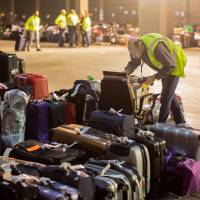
(8, 67)
(115, 123)
(56, 113)
(49, 154)
(157, 151)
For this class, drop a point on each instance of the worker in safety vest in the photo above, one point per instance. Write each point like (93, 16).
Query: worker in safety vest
(61, 22)
(86, 26)
(72, 22)
(32, 28)
(169, 60)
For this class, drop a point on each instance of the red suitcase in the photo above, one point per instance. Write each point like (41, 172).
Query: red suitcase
(34, 84)
(70, 113)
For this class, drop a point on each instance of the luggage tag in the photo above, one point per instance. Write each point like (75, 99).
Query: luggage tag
(84, 130)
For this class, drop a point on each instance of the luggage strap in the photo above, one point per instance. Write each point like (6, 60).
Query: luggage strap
(6, 154)
(76, 90)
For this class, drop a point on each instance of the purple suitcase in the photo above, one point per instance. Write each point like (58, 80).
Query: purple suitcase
(37, 121)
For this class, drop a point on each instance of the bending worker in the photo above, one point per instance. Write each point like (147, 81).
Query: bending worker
(169, 60)
(32, 27)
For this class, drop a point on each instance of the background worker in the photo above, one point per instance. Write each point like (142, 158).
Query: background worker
(61, 22)
(86, 26)
(72, 22)
(169, 60)
(32, 27)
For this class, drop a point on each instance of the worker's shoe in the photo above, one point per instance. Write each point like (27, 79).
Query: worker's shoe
(38, 49)
(184, 125)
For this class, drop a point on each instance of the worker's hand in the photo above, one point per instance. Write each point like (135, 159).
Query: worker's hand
(2, 86)
(150, 80)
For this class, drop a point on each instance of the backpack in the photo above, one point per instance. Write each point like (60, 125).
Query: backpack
(85, 99)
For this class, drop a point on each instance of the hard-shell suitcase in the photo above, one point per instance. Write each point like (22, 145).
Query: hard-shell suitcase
(184, 141)
(56, 113)
(116, 86)
(34, 84)
(135, 179)
(115, 123)
(9, 67)
(133, 154)
(93, 144)
(107, 185)
(37, 122)
(20, 42)
(157, 152)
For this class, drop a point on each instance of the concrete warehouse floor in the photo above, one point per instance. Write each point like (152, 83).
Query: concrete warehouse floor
(63, 65)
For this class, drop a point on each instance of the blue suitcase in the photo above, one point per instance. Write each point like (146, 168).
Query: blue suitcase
(37, 122)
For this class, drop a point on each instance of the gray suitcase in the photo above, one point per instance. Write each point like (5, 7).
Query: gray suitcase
(133, 154)
(135, 179)
(107, 188)
(184, 141)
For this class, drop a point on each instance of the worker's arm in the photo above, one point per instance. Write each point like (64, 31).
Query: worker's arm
(2, 86)
(163, 55)
(132, 65)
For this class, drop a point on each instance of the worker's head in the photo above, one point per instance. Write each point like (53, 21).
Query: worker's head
(73, 11)
(63, 12)
(37, 13)
(136, 48)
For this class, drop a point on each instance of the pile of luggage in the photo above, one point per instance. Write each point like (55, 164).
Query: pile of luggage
(89, 142)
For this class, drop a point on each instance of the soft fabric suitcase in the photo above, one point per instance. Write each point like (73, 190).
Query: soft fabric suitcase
(37, 121)
(34, 84)
(9, 67)
(13, 118)
(133, 154)
(49, 154)
(113, 122)
(56, 113)
(115, 85)
(70, 111)
(184, 141)
(93, 144)
(157, 152)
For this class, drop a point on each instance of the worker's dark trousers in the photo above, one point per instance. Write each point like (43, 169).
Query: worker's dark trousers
(169, 101)
(61, 40)
(72, 35)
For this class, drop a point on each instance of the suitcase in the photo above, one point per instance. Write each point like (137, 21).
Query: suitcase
(73, 176)
(56, 113)
(157, 152)
(93, 144)
(113, 122)
(34, 84)
(20, 42)
(13, 118)
(37, 121)
(9, 67)
(135, 179)
(184, 141)
(115, 85)
(48, 154)
(123, 191)
(70, 111)
(133, 154)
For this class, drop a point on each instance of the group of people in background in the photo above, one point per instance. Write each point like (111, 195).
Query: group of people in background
(70, 22)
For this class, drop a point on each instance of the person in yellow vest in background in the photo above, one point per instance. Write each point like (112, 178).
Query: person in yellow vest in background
(61, 22)
(169, 60)
(72, 22)
(32, 28)
(86, 26)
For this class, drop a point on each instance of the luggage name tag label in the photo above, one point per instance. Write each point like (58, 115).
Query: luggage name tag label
(33, 148)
